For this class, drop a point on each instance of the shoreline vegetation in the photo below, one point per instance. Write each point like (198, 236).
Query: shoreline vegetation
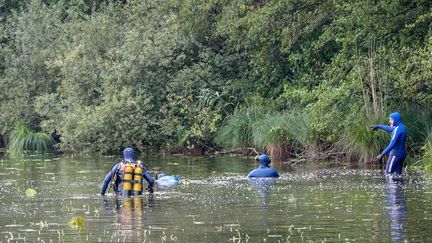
(296, 79)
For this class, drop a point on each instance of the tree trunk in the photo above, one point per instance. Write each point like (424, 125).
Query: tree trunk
(372, 76)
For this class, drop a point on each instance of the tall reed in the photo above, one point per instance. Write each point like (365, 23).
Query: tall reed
(360, 142)
(418, 120)
(284, 134)
(237, 131)
(272, 133)
(427, 154)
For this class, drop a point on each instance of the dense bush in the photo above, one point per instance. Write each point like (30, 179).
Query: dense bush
(163, 74)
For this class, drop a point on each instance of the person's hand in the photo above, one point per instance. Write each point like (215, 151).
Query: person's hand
(374, 160)
(378, 158)
(149, 189)
(373, 128)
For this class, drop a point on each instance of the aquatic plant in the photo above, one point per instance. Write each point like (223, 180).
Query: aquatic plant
(301, 131)
(273, 133)
(238, 129)
(418, 120)
(77, 222)
(427, 154)
(284, 134)
(279, 133)
(360, 143)
(30, 192)
(24, 139)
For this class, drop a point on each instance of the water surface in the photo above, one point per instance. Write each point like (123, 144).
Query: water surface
(214, 203)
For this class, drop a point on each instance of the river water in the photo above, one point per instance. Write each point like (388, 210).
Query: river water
(215, 202)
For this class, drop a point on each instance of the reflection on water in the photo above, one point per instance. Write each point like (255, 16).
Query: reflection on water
(396, 208)
(264, 187)
(308, 203)
(129, 214)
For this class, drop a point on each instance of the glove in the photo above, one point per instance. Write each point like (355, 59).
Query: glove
(149, 189)
(373, 128)
(378, 158)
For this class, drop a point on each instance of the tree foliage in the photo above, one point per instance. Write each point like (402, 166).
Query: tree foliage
(160, 74)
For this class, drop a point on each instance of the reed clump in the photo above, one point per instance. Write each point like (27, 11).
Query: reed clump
(24, 140)
(427, 154)
(284, 134)
(280, 134)
(360, 143)
(238, 129)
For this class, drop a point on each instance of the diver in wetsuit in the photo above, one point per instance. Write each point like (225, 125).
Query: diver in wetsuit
(264, 170)
(396, 146)
(128, 176)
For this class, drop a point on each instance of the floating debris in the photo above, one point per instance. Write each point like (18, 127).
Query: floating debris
(30, 192)
(77, 222)
(13, 225)
(274, 236)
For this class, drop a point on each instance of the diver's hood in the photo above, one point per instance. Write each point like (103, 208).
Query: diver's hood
(396, 118)
(129, 154)
(264, 160)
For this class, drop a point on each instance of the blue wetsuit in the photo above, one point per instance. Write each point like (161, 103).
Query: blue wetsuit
(115, 171)
(396, 146)
(264, 170)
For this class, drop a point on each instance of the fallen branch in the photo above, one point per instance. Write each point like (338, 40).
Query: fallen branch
(238, 149)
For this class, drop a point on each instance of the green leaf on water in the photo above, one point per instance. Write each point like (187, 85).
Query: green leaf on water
(30, 192)
(77, 222)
